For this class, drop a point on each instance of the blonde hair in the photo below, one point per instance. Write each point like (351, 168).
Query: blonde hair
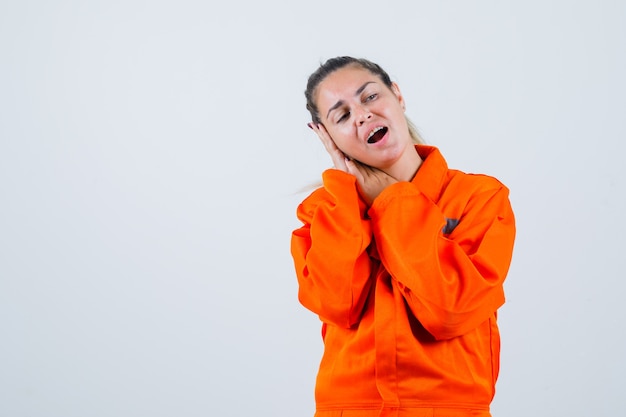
(415, 134)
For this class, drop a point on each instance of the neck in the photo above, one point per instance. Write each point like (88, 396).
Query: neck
(406, 167)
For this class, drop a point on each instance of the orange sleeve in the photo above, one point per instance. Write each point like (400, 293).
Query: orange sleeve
(452, 282)
(330, 251)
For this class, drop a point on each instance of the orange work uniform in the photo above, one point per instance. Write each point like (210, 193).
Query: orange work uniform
(407, 291)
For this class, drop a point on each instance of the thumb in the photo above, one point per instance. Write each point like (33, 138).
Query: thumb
(350, 165)
(353, 169)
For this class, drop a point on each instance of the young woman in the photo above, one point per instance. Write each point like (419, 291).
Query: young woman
(402, 258)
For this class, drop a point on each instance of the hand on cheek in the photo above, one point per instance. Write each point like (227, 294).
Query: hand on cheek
(336, 155)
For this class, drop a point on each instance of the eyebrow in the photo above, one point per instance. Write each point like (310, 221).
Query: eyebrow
(341, 102)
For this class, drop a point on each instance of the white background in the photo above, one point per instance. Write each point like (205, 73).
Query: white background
(151, 157)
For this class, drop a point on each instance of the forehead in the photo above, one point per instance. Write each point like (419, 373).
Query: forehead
(342, 84)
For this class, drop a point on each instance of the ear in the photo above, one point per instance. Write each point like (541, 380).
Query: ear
(396, 91)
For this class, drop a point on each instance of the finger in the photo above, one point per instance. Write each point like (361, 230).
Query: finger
(363, 170)
(355, 169)
(328, 142)
(336, 155)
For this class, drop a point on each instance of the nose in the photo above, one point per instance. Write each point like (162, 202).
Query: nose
(363, 115)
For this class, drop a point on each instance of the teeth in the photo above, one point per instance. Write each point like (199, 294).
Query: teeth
(373, 132)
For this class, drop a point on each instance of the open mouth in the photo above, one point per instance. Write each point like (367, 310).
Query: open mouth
(376, 134)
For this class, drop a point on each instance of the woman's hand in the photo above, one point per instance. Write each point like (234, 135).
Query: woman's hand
(370, 181)
(336, 155)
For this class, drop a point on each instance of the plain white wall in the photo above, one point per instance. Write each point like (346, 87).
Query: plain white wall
(151, 154)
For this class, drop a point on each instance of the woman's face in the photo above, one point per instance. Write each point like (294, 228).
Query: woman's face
(364, 117)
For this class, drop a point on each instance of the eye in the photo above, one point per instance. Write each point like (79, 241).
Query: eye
(343, 117)
(371, 97)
